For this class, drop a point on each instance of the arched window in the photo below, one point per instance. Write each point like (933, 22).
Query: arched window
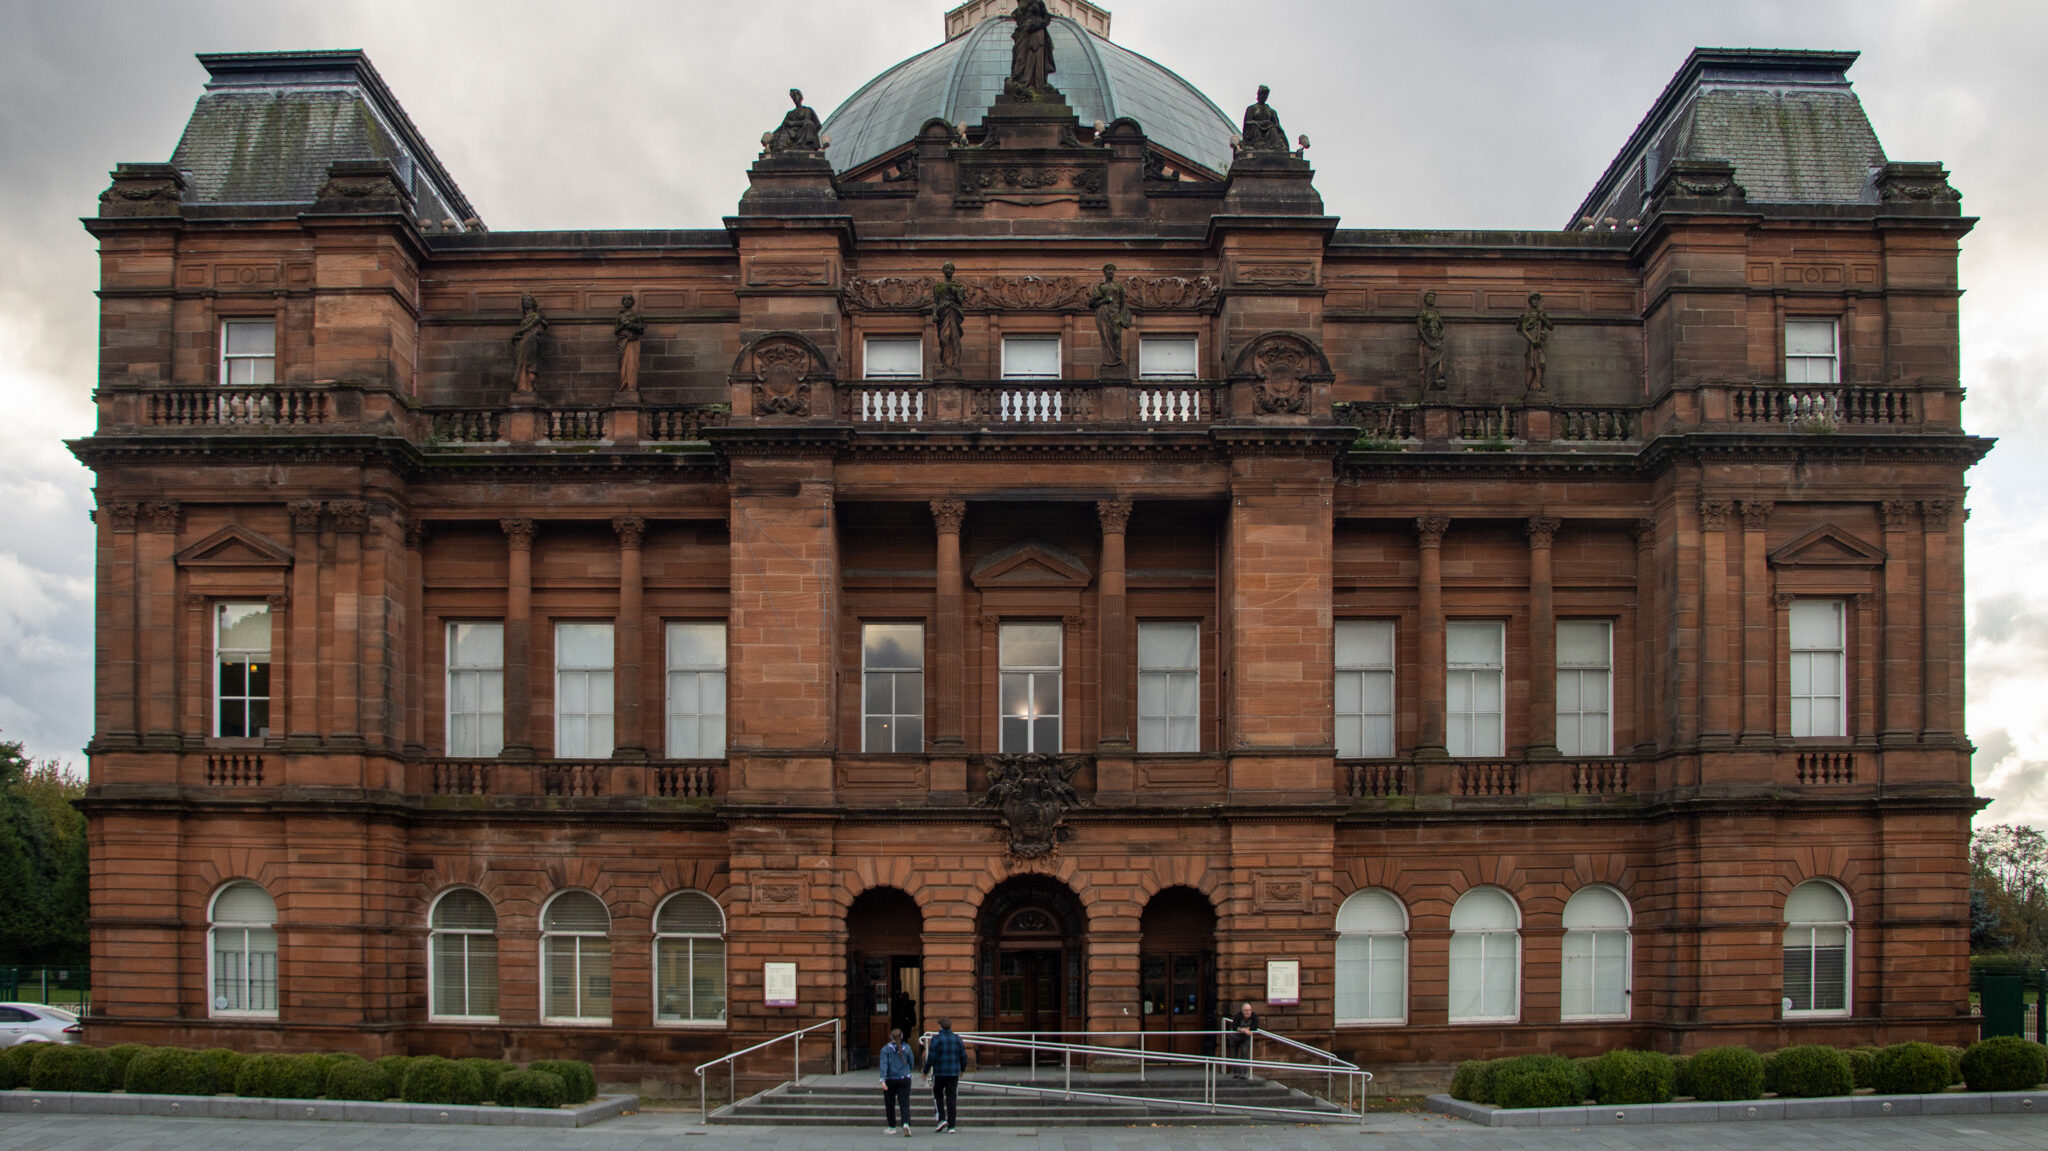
(1596, 955)
(576, 959)
(462, 953)
(1372, 959)
(242, 949)
(1486, 957)
(1817, 950)
(689, 960)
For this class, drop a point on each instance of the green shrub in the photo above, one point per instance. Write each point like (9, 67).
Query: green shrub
(577, 1076)
(1809, 1072)
(1721, 1074)
(531, 1089)
(1955, 1064)
(279, 1077)
(19, 1058)
(122, 1054)
(223, 1068)
(1537, 1087)
(1681, 1075)
(1621, 1077)
(71, 1067)
(2007, 1063)
(1863, 1065)
(168, 1071)
(7, 1080)
(432, 1079)
(1465, 1082)
(360, 1080)
(490, 1071)
(1911, 1069)
(394, 1069)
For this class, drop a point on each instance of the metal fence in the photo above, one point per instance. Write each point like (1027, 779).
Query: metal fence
(66, 987)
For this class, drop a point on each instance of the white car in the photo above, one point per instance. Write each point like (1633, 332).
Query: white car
(37, 1023)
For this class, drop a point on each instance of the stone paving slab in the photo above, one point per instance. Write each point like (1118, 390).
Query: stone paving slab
(26, 1102)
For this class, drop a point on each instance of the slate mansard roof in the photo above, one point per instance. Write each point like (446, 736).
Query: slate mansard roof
(958, 80)
(271, 123)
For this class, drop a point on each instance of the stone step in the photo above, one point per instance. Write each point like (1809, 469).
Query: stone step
(840, 1103)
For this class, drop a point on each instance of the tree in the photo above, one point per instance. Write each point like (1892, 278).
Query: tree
(2009, 889)
(42, 862)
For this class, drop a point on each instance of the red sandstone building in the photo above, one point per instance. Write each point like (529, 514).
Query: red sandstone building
(1529, 676)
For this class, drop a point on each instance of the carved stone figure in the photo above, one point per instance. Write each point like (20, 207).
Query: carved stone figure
(1030, 49)
(626, 334)
(799, 130)
(526, 344)
(1429, 326)
(1112, 315)
(1535, 326)
(949, 314)
(1034, 794)
(1262, 131)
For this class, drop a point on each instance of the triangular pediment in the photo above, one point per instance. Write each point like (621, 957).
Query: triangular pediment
(1031, 564)
(235, 547)
(1828, 546)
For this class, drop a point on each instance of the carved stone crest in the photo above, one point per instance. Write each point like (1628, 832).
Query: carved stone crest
(1034, 794)
(1282, 369)
(782, 367)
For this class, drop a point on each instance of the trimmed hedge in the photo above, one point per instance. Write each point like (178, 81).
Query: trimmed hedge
(1538, 1087)
(71, 1067)
(394, 1067)
(2006, 1063)
(432, 1079)
(1811, 1071)
(577, 1077)
(531, 1089)
(1725, 1074)
(1623, 1077)
(1911, 1069)
(1863, 1065)
(490, 1071)
(1955, 1064)
(19, 1058)
(224, 1066)
(7, 1080)
(280, 1077)
(359, 1079)
(169, 1071)
(1465, 1081)
(1681, 1075)
(122, 1054)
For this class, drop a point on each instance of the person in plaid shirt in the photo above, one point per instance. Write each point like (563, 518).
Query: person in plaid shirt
(944, 1060)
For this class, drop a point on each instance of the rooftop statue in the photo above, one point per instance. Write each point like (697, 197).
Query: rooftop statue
(1429, 325)
(799, 130)
(1031, 48)
(1262, 131)
(1535, 326)
(626, 334)
(526, 343)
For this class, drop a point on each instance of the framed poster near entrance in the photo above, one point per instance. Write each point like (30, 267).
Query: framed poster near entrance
(778, 982)
(1283, 982)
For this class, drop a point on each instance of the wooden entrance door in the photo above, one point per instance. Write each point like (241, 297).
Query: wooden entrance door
(1177, 971)
(1028, 990)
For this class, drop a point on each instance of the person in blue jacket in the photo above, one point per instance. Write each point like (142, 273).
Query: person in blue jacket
(944, 1060)
(898, 1064)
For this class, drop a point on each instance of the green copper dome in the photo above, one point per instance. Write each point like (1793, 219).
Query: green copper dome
(959, 79)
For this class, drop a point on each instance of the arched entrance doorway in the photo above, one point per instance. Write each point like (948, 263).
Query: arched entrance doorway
(1177, 970)
(1032, 962)
(884, 970)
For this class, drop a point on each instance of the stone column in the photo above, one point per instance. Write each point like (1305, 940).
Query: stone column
(948, 689)
(1940, 617)
(1649, 624)
(416, 641)
(302, 677)
(1717, 710)
(630, 738)
(157, 576)
(1429, 535)
(1115, 627)
(518, 638)
(1542, 641)
(1900, 721)
(1759, 620)
(351, 518)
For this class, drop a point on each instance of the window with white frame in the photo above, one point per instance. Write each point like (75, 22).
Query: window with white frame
(583, 690)
(892, 358)
(241, 942)
(1167, 358)
(1597, 956)
(248, 352)
(1486, 957)
(476, 689)
(462, 955)
(241, 659)
(696, 691)
(1031, 357)
(1372, 959)
(1812, 352)
(1169, 687)
(1585, 687)
(689, 960)
(1817, 936)
(1365, 688)
(892, 688)
(1819, 667)
(1475, 688)
(576, 959)
(1029, 688)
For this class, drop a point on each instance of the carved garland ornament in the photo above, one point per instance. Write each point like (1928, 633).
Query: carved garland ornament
(1033, 793)
(1031, 293)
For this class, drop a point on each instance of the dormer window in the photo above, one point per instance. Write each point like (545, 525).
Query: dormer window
(248, 352)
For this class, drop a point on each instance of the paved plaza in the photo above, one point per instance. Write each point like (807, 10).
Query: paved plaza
(669, 1131)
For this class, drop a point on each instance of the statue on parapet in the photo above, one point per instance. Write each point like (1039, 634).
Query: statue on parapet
(1262, 131)
(526, 343)
(800, 128)
(1112, 315)
(1030, 51)
(1429, 326)
(626, 334)
(1535, 325)
(949, 315)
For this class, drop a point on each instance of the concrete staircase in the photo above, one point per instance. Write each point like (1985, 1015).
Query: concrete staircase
(854, 1100)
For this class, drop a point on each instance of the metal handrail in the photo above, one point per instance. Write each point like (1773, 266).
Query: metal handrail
(796, 1065)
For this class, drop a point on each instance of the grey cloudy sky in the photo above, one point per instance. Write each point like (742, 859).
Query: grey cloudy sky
(1456, 113)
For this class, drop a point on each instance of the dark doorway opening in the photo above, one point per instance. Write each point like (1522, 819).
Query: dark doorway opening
(885, 971)
(1032, 961)
(1177, 971)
